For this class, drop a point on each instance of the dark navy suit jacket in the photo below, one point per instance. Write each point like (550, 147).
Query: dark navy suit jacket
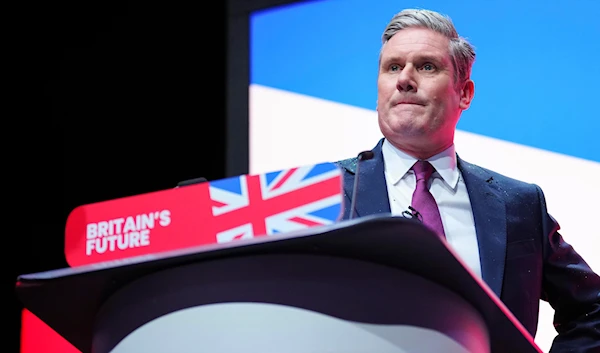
(523, 257)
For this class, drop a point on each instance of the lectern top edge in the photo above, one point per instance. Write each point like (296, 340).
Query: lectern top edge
(197, 250)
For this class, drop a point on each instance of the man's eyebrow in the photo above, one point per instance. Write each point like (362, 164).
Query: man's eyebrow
(418, 58)
(433, 58)
(392, 59)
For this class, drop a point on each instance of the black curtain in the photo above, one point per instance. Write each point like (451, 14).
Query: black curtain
(129, 98)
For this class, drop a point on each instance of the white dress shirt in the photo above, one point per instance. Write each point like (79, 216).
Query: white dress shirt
(449, 191)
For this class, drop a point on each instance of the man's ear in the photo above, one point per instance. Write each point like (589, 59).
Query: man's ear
(467, 92)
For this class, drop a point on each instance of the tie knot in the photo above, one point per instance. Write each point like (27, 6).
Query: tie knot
(423, 170)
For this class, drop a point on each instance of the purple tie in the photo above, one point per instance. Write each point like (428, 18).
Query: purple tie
(422, 200)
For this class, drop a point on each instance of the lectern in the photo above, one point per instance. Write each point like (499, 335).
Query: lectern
(375, 284)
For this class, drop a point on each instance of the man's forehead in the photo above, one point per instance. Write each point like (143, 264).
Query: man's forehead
(418, 35)
(409, 43)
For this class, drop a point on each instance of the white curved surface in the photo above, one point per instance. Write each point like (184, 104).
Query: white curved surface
(265, 328)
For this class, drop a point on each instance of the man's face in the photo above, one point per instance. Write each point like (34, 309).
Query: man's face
(418, 100)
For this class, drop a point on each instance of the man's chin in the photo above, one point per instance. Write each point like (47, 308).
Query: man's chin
(409, 128)
(406, 125)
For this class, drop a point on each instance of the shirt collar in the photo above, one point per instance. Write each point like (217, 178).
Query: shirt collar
(398, 163)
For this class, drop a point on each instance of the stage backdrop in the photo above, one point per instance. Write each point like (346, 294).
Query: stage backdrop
(534, 116)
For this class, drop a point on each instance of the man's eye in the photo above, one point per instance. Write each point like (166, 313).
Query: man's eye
(395, 67)
(428, 67)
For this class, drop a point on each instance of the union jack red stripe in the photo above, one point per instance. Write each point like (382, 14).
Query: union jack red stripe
(276, 202)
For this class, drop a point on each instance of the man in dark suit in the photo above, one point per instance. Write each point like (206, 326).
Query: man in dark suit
(499, 226)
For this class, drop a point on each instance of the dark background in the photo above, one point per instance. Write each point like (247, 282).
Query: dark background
(121, 98)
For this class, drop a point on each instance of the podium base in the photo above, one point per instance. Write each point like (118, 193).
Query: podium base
(287, 303)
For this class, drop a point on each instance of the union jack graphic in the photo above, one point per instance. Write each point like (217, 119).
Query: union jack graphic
(253, 205)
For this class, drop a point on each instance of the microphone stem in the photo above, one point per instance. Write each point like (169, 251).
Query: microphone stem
(354, 189)
(363, 156)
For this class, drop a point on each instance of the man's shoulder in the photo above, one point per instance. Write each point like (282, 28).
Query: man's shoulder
(347, 165)
(497, 177)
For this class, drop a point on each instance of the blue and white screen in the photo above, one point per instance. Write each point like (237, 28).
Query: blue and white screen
(535, 115)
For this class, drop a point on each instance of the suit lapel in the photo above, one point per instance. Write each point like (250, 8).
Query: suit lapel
(489, 213)
(372, 194)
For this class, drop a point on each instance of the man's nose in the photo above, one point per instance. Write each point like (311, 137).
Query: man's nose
(406, 80)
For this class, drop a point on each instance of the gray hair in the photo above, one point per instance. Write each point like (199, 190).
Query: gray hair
(461, 51)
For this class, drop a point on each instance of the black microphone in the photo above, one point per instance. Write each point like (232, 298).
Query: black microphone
(191, 182)
(363, 156)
